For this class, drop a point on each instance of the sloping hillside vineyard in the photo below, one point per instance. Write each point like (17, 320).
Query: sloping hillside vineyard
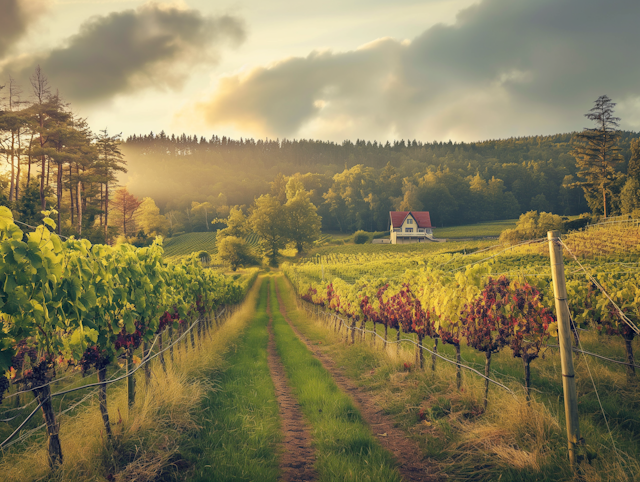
(67, 304)
(490, 299)
(184, 245)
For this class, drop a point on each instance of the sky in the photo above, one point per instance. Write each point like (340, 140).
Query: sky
(460, 70)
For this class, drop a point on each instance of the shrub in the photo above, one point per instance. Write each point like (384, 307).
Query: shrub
(579, 223)
(361, 237)
(532, 225)
(205, 257)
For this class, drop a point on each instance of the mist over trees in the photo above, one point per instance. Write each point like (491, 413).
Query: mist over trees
(354, 185)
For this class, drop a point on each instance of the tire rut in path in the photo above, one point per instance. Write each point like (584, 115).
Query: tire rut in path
(296, 464)
(411, 462)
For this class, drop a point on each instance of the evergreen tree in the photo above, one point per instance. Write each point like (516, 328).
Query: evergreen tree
(110, 161)
(630, 196)
(598, 154)
(28, 206)
(633, 169)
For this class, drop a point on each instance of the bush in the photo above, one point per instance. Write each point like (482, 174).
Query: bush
(579, 223)
(532, 225)
(361, 237)
(204, 257)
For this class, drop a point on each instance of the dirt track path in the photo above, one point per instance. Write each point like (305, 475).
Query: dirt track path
(296, 464)
(412, 464)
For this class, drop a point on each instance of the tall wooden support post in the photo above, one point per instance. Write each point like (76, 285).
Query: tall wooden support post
(564, 336)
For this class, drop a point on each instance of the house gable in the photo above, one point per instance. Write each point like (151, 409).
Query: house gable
(420, 219)
(410, 227)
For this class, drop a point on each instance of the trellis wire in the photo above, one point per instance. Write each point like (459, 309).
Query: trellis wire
(143, 362)
(426, 349)
(591, 278)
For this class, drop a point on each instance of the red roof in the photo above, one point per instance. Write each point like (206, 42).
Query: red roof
(423, 220)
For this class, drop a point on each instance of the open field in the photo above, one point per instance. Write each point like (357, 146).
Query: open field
(479, 230)
(186, 244)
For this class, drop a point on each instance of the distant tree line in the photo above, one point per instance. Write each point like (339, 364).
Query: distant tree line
(355, 185)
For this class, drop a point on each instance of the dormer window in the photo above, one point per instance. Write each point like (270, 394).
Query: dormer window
(409, 221)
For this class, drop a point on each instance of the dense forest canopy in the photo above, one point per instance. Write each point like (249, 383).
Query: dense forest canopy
(355, 185)
(105, 189)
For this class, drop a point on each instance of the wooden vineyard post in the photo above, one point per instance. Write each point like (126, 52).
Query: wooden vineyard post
(564, 338)
(147, 368)
(171, 342)
(131, 381)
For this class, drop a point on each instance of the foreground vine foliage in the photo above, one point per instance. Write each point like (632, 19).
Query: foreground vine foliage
(66, 304)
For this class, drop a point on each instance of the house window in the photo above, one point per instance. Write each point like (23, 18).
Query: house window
(409, 221)
(408, 230)
(421, 230)
(397, 230)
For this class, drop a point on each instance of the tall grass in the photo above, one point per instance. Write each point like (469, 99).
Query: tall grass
(145, 443)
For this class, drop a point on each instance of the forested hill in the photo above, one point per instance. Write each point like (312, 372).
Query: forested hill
(457, 182)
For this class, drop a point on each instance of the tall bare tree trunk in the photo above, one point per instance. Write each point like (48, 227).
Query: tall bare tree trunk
(13, 151)
(29, 160)
(71, 196)
(79, 192)
(106, 212)
(101, 204)
(59, 193)
(17, 188)
(43, 173)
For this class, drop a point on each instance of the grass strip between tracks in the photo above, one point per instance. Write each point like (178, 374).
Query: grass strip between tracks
(240, 421)
(346, 450)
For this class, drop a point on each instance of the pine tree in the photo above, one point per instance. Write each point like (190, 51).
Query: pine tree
(598, 154)
(633, 169)
(110, 160)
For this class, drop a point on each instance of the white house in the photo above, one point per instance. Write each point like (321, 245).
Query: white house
(410, 227)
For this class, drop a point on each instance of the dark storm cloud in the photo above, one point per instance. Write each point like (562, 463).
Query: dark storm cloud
(509, 67)
(15, 18)
(154, 46)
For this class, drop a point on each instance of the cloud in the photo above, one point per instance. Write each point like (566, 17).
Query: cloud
(505, 67)
(15, 19)
(156, 45)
